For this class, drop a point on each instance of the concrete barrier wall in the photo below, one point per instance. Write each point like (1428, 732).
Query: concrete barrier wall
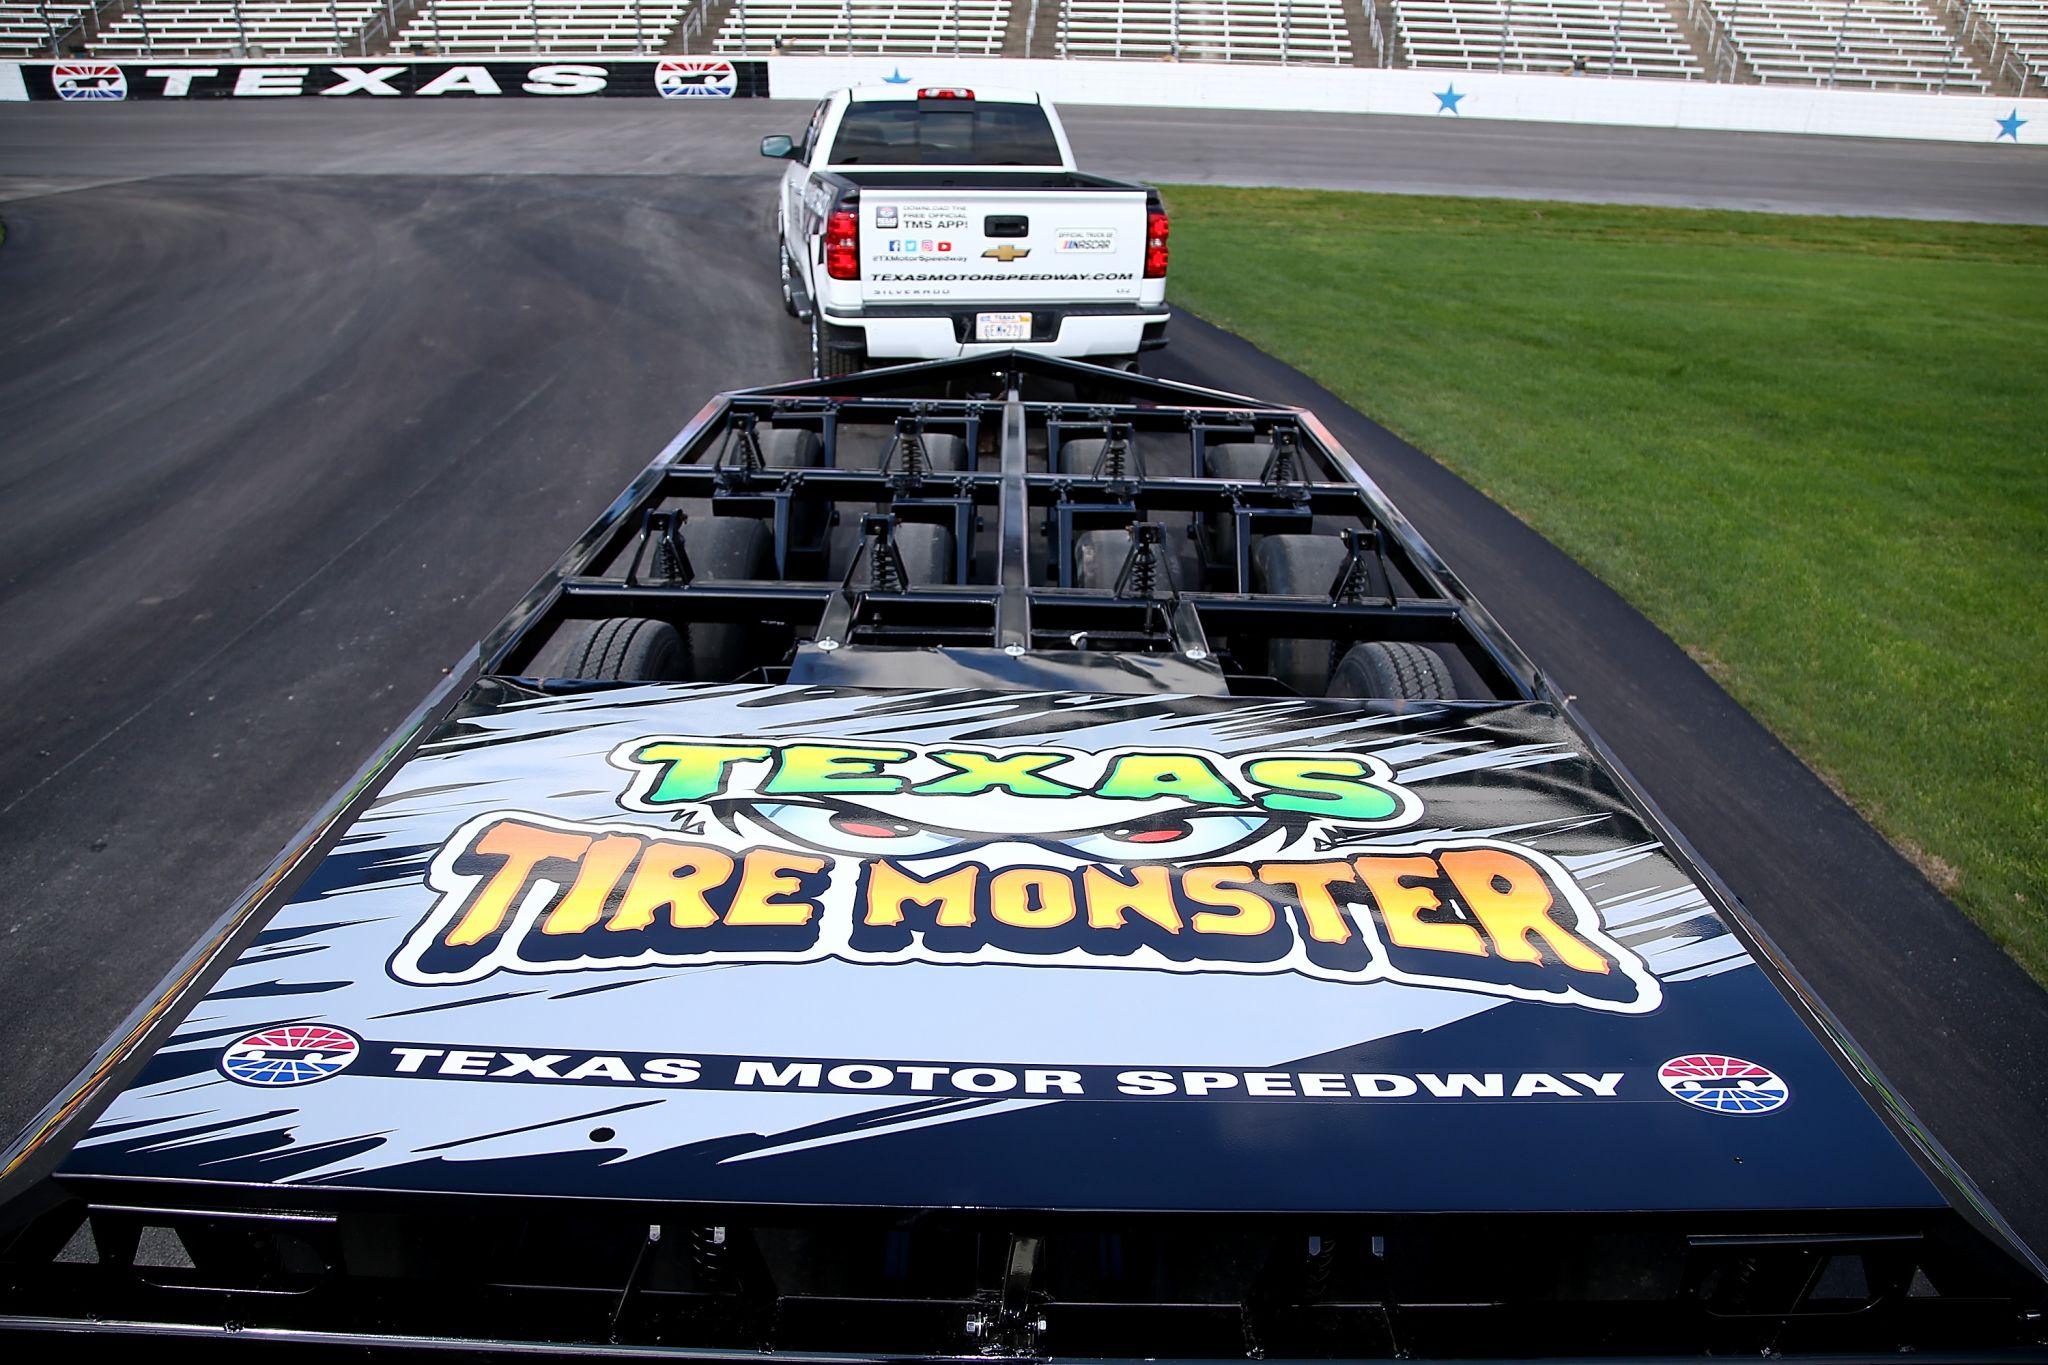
(1635, 102)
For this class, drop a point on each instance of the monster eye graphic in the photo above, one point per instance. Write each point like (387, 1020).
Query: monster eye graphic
(849, 827)
(1175, 835)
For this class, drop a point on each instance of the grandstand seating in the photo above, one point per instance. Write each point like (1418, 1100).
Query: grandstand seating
(972, 26)
(1618, 37)
(2018, 30)
(1206, 30)
(482, 27)
(25, 29)
(275, 28)
(1876, 43)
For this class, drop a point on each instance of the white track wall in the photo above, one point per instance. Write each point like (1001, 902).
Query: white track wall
(1479, 95)
(1633, 102)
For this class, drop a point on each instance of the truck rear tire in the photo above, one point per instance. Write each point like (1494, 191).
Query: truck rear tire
(827, 363)
(788, 283)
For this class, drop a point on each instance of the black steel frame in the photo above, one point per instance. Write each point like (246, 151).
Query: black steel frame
(324, 1271)
(1027, 600)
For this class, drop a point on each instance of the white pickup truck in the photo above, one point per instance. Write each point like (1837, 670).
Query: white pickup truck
(928, 223)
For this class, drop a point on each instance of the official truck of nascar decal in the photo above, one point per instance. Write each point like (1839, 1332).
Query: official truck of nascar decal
(926, 222)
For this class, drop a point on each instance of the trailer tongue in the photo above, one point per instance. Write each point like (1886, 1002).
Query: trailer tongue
(968, 939)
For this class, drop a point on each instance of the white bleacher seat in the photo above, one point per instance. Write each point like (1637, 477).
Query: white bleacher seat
(974, 27)
(483, 27)
(25, 29)
(1860, 43)
(1206, 30)
(1601, 37)
(209, 28)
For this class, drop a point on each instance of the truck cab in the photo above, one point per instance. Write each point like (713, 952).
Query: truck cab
(928, 223)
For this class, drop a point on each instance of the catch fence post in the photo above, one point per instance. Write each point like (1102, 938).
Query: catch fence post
(434, 18)
(334, 22)
(1507, 33)
(639, 31)
(49, 29)
(241, 33)
(533, 17)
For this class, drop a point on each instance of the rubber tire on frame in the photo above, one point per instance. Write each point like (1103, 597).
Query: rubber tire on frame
(1297, 566)
(927, 552)
(1099, 558)
(1393, 669)
(945, 452)
(725, 547)
(621, 649)
(1242, 462)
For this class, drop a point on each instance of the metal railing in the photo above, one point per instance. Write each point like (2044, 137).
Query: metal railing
(1722, 58)
(846, 35)
(1228, 41)
(373, 28)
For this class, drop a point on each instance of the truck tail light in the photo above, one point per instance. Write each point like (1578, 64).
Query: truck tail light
(945, 93)
(842, 245)
(1156, 229)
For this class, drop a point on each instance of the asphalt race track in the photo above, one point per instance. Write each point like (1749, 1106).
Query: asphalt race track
(286, 422)
(47, 145)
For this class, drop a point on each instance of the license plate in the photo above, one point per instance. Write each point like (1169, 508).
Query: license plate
(1002, 326)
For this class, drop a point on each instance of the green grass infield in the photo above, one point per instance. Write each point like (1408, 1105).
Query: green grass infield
(1813, 450)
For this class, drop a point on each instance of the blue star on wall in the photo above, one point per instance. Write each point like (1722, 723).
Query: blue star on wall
(2010, 125)
(896, 77)
(1447, 98)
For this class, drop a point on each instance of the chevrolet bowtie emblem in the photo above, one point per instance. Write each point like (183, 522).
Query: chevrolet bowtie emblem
(1006, 253)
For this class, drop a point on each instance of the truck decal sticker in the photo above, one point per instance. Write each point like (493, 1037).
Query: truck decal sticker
(1149, 859)
(786, 920)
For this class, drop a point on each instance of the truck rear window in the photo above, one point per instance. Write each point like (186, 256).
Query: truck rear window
(965, 135)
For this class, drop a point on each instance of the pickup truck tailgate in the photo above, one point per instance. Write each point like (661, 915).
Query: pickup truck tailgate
(994, 246)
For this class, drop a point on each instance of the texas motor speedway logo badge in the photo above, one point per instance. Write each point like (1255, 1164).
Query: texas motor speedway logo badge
(88, 81)
(290, 1054)
(686, 78)
(1723, 1085)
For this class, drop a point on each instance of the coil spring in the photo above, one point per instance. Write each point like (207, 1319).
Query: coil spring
(915, 464)
(1115, 461)
(668, 565)
(1144, 571)
(708, 1255)
(885, 565)
(1316, 1281)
